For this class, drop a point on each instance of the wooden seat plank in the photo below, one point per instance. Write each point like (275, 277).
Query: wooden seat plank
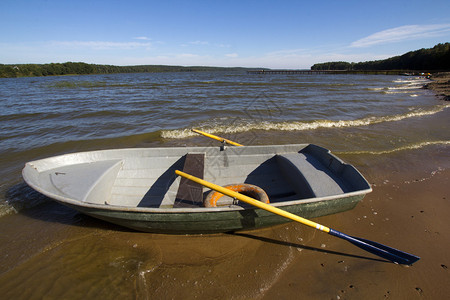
(190, 194)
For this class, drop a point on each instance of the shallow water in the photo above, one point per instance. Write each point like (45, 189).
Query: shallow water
(48, 110)
(51, 251)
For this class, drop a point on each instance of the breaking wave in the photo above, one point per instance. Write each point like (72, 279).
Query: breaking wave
(403, 148)
(405, 86)
(243, 126)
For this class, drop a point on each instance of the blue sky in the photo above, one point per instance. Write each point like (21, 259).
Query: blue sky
(273, 34)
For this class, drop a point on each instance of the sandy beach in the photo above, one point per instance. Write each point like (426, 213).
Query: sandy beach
(408, 209)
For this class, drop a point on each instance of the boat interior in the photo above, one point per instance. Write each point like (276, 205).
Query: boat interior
(150, 181)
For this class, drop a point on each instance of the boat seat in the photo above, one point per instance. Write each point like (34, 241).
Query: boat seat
(89, 182)
(190, 194)
(308, 176)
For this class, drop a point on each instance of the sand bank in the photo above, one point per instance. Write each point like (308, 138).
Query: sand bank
(440, 84)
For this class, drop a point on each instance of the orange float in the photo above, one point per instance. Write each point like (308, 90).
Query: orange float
(249, 190)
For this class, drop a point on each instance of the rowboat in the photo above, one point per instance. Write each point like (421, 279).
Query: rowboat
(139, 189)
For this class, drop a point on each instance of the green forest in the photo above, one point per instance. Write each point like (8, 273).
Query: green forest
(426, 60)
(431, 59)
(80, 68)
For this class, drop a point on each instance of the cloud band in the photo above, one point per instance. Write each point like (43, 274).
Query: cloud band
(402, 33)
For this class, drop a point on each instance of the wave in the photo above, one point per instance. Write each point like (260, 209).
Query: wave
(19, 197)
(403, 148)
(405, 85)
(404, 91)
(411, 80)
(243, 126)
(23, 116)
(405, 88)
(76, 84)
(6, 209)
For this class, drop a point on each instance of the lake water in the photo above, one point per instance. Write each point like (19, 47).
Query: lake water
(355, 116)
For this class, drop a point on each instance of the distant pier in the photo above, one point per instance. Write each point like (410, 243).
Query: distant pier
(313, 72)
(287, 72)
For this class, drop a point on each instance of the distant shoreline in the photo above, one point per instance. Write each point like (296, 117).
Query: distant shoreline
(440, 83)
(80, 68)
(339, 72)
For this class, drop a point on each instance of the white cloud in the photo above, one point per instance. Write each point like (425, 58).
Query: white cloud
(100, 45)
(402, 33)
(199, 43)
(187, 55)
(231, 55)
(144, 38)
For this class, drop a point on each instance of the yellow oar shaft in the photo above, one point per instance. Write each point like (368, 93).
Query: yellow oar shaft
(253, 202)
(216, 137)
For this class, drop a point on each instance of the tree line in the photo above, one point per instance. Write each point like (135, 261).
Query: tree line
(431, 59)
(80, 68)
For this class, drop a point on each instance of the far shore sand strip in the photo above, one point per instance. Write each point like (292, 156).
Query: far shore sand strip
(440, 84)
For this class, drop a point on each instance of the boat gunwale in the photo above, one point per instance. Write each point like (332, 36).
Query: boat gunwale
(36, 164)
(175, 151)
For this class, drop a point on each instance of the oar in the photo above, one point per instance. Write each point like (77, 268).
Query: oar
(386, 252)
(216, 137)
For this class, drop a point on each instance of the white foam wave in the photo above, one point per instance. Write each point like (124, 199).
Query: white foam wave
(407, 87)
(397, 92)
(411, 80)
(403, 148)
(404, 86)
(6, 209)
(301, 125)
(402, 81)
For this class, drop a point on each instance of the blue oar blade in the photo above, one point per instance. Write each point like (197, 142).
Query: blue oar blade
(381, 250)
